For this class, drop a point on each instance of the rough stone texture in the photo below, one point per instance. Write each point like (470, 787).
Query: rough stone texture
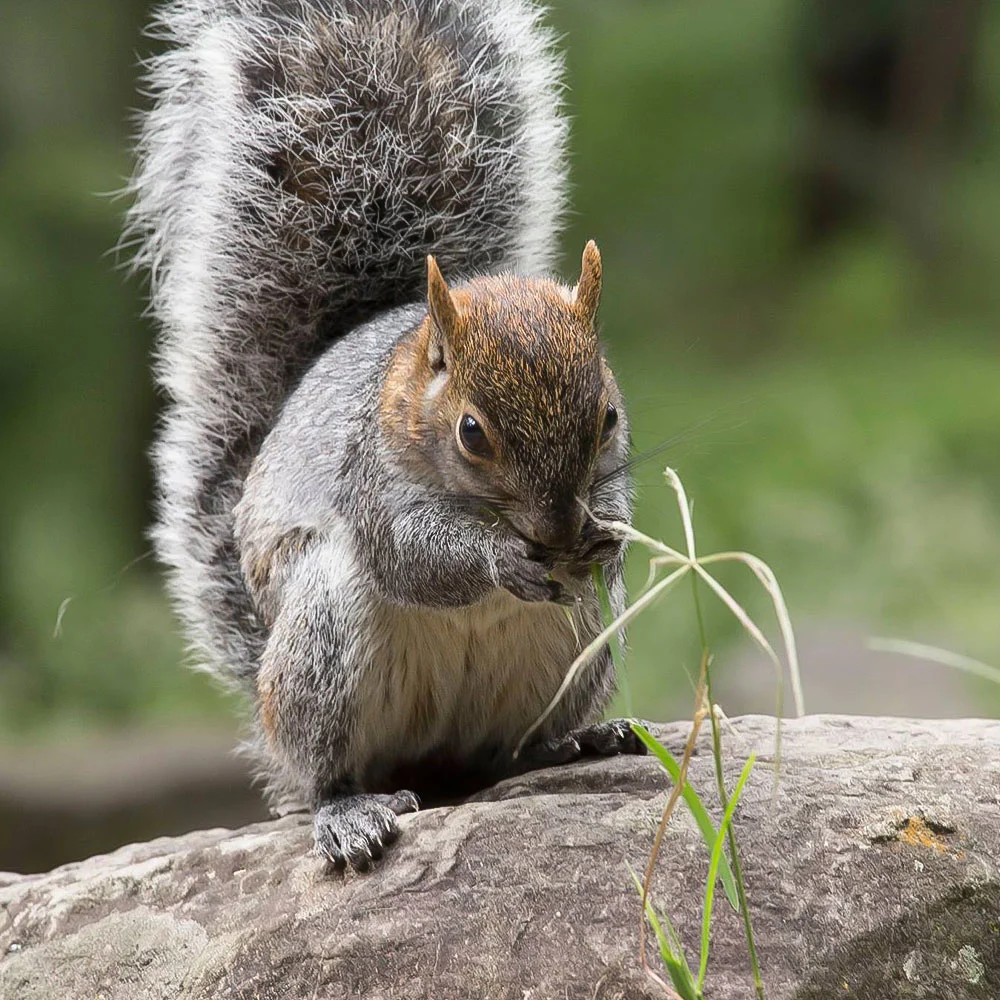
(873, 873)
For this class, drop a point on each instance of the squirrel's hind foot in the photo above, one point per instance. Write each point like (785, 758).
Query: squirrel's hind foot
(355, 829)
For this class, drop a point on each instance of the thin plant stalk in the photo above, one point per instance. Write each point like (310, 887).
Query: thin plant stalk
(769, 581)
(595, 647)
(935, 655)
(763, 573)
(713, 867)
(686, 564)
(734, 854)
(607, 615)
(668, 810)
(703, 821)
(690, 564)
(666, 947)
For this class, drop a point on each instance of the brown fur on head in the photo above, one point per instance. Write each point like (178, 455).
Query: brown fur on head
(521, 358)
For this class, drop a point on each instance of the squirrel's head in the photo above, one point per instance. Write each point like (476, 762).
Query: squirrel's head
(503, 396)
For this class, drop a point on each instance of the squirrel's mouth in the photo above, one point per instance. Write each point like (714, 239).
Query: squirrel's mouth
(578, 563)
(574, 546)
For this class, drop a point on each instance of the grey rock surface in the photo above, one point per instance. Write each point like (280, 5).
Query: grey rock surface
(872, 873)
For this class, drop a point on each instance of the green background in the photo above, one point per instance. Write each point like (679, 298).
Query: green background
(798, 206)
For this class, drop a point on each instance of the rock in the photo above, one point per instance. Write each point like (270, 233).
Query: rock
(872, 873)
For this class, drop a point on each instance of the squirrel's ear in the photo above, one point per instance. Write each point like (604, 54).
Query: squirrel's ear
(444, 315)
(587, 294)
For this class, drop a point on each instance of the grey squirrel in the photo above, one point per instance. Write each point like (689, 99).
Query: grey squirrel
(378, 494)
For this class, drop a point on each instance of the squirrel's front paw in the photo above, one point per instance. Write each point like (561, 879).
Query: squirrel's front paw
(355, 829)
(525, 571)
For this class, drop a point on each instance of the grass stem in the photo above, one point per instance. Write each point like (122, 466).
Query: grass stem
(734, 855)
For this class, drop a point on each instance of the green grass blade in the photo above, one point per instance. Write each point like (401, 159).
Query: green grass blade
(713, 867)
(683, 981)
(698, 811)
(666, 951)
(608, 616)
(670, 948)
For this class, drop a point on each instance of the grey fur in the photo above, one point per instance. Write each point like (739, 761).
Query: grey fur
(300, 160)
(374, 553)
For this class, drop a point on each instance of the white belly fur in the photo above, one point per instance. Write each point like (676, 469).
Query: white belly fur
(461, 677)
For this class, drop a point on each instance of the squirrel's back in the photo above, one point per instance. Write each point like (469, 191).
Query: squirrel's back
(300, 160)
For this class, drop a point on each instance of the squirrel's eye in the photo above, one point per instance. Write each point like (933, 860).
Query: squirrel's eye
(472, 437)
(610, 423)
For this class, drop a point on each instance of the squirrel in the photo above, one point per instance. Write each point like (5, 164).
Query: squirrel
(380, 495)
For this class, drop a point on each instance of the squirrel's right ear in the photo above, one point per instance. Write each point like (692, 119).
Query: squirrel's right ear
(587, 294)
(444, 315)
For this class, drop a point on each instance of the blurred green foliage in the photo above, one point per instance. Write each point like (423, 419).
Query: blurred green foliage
(798, 205)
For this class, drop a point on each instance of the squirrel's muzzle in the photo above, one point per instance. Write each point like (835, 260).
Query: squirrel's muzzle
(557, 530)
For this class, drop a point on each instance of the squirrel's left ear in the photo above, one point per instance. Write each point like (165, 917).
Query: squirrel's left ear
(444, 316)
(587, 294)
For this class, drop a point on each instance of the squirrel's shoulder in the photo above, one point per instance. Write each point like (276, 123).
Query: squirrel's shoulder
(337, 396)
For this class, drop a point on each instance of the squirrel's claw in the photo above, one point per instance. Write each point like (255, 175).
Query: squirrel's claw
(602, 739)
(606, 739)
(549, 753)
(355, 829)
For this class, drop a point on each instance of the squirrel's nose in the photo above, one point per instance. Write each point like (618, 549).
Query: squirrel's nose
(558, 531)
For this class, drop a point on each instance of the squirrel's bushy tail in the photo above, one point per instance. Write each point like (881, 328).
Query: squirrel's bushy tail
(300, 160)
